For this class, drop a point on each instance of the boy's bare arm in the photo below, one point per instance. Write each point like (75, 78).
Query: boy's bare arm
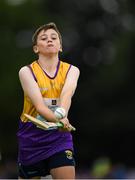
(69, 88)
(31, 89)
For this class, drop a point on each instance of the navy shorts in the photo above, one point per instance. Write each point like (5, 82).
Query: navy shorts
(42, 168)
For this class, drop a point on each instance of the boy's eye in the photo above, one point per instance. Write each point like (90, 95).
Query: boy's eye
(44, 38)
(54, 38)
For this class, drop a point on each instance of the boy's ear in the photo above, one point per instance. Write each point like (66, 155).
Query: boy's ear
(35, 49)
(60, 49)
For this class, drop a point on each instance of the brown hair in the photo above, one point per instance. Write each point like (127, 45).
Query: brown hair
(45, 27)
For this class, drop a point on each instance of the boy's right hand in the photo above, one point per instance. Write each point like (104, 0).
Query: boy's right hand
(66, 124)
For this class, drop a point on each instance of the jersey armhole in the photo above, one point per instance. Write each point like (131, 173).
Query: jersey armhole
(29, 66)
(68, 70)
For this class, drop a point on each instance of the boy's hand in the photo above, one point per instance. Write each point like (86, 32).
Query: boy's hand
(66, 125)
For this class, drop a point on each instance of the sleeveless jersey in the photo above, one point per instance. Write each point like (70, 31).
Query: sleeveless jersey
(50, 87)
(36, 144)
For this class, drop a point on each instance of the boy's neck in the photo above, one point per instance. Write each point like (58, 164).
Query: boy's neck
(48, 63)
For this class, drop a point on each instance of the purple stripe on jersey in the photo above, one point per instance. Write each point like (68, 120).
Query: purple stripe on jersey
(55, 71)
(32, 73)
(68, 69)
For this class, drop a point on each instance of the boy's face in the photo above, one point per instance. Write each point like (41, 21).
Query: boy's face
(48, 42)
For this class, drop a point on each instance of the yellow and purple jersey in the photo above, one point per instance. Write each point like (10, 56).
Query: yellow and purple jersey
(50, 87)
(36, 144)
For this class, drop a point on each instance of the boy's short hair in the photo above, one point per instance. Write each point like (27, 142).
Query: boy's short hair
(45, 27)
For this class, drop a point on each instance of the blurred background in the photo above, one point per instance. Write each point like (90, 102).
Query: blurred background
(99, 38)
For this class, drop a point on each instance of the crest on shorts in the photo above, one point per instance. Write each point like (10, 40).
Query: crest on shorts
(69, 154)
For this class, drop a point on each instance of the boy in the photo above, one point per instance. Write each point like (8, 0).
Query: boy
(47, 83)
